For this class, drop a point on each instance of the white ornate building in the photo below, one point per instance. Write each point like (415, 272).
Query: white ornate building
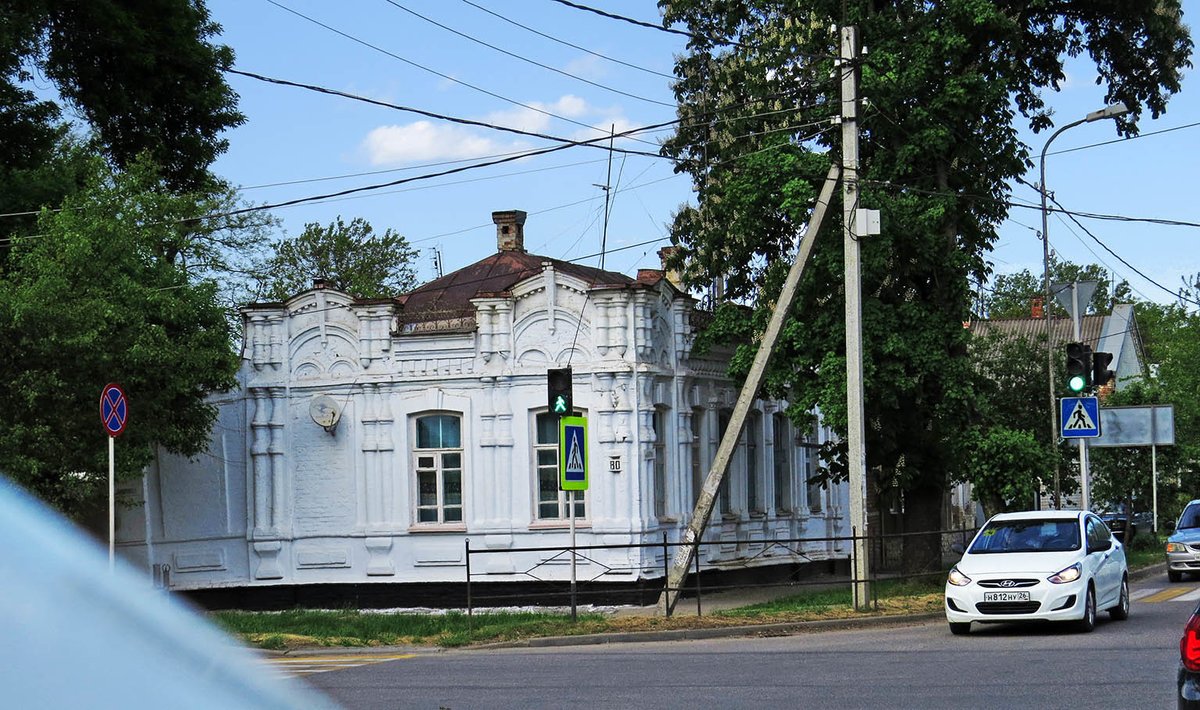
(444, 435)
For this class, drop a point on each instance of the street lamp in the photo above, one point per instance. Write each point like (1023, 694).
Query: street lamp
(1111, 111)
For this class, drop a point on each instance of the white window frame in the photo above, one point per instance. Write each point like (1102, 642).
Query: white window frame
(752, 434)
(540, 468)
(438, 460)
(813, 493)
(781, 463)
(658, 423)
(697, 452)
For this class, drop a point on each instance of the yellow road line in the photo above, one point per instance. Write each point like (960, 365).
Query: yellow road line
(326, 659)
(1167, 594)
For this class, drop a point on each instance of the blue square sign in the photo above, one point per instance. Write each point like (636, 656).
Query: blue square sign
(1079, 417)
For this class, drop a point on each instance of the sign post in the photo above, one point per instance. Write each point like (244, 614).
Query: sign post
(1080, 419)
(114, 412)
(572, 475)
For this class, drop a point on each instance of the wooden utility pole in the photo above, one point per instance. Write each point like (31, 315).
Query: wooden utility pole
(856, 458)
(720, 465)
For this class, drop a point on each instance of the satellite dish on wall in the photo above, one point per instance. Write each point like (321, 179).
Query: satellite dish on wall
(325, 411)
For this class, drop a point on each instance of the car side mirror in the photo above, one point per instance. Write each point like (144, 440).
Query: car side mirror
(1169, 525)
(1100, 546)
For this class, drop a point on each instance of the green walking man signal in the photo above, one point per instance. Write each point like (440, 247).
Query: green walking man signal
(558, 387)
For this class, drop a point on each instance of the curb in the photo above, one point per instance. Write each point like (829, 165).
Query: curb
(1139, 574)
(788, 628)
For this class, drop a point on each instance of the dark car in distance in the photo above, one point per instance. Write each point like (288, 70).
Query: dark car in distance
(1121, 526)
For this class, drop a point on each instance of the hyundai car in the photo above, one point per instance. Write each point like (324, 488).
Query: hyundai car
(1045, 565)
(1183, 546)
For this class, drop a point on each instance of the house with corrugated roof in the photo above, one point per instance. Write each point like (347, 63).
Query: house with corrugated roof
(372, 440)
(1116, 333)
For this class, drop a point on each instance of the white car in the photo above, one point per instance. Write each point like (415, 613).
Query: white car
(1045, 565)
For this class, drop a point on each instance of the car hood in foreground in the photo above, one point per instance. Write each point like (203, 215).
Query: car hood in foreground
(1000, 563)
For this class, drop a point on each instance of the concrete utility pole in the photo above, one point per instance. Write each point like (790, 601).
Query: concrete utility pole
(1077, 321)
(720, 464)
(856, 458)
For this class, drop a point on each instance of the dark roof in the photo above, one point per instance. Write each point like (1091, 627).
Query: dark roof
(449, 298)
(1090, 328)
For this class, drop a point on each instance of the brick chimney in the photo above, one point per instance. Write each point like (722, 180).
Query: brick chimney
(510, 230)
(1036, 310)
(672, 275)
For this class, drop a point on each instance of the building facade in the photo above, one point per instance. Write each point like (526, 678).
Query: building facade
(444, 434)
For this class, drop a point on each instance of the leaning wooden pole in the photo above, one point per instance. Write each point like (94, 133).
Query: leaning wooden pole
(720, 465)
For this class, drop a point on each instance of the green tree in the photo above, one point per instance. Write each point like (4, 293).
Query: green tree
(142, 74)
(351, 256)
(939, 151)
(103, 293)
(1171, 334)
(1012, 295)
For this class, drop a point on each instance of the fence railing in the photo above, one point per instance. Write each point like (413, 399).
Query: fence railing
(880, 548)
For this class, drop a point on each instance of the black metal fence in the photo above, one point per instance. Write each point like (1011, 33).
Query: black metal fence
(793, 568)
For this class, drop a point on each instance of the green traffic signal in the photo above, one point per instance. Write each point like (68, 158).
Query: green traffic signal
(560, 405)
(1076, 383)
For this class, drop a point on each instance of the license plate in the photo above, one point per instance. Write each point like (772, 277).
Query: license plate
(1006, 596)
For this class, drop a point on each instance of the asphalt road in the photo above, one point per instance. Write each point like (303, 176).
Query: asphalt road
(1128, 664)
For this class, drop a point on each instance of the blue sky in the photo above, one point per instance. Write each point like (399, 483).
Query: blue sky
(296, 135)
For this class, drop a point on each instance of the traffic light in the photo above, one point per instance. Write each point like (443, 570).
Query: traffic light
(1079, 367)
(1101, 375)
(558, 387)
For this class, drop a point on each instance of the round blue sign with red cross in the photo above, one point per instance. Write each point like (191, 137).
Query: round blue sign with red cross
(114, 409)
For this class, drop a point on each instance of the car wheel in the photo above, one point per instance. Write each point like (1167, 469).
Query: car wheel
(1174, 576)
(1088, 622)
(960, 628)
(1120, 612)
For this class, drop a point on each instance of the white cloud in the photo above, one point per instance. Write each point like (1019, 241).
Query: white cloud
(529, 119)
(424, 140)
(430, 140)
(588, 66)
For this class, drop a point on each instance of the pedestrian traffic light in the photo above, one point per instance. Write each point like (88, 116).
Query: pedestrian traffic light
(1079, 367)
(558, 386)
(1101, 375)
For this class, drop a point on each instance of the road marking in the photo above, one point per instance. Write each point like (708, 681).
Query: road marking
(292, 666)
(1168, 594)
(1143, 593)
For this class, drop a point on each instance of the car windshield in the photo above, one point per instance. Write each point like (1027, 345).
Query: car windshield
(1027, 536)
(1190, 518)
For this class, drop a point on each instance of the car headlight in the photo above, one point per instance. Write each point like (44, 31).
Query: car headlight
(957, 578)
(1176, 547)
(1069, 574)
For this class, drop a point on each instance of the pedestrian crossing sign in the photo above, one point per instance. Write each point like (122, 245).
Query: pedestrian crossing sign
(572, 454)
(1080, 417)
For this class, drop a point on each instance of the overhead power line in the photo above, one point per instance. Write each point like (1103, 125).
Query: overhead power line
(435, 72)
(564, 42)
(444, 117)
(514, 55)
(690, 35)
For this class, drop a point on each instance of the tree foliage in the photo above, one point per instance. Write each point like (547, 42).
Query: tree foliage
(93, 298)
(757, 89)
(1171, 334)
(142, 74)
(351, 256)
(1012, 295)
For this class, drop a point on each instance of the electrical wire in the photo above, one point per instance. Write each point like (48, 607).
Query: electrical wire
(527, 59)
(685, 33)
(435, 72)
(564, 42)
